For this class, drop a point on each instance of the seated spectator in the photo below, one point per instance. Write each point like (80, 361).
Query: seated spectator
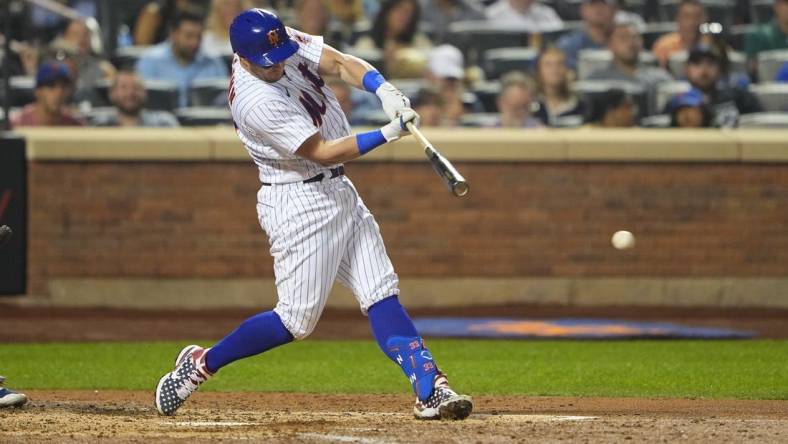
(216, 40)
(612, 109)
(626, 43)
(429, 104)
(554, 95)
(689, 16)
(153, 22)
(726, 103)
(127, 94)
(88, 69)
(445, 74)
(179, 59)
(395, 29)
(53, 89)
(515, 102)
(528, 15)
(768, 36)
(439, 14)
(688, 110)
(598, 18)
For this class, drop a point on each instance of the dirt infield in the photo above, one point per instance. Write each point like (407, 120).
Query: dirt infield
(84, 416)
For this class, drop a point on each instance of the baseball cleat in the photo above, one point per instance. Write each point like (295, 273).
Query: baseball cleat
(9, 398)
(175, 387)
(443, 403)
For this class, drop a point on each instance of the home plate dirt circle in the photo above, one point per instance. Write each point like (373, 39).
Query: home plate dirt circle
(129, 416)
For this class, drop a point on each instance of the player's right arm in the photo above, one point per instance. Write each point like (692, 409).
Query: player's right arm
(332, 152)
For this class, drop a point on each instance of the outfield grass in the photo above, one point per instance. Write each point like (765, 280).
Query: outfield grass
(710, 369)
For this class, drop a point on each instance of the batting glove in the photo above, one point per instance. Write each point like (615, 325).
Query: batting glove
(392, 99)
(397, 127)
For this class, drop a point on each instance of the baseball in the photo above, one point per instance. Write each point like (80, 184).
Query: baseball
(623, 240)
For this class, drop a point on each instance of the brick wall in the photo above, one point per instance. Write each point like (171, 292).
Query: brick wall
(197, 219)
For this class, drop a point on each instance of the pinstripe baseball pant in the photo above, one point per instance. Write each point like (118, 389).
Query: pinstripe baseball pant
(321, 232)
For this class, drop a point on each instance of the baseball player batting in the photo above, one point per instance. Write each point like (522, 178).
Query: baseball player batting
(318, 226)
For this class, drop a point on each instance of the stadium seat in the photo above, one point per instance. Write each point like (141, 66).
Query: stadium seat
(480, 120)
(475, 37)
(22, 88)
(487, 92)
(737, 34)
(656, 121)
(498, 62)
(161, 95)
(590, 60)
(769, 63)
(677, 62)
(773, 96)
(209, 92)
(654, 31)
(126, 58)
(666, 91)
(764, 120)
(372, 118)
(570, 121)
(550, 37)
(204, 116)
(761, 11)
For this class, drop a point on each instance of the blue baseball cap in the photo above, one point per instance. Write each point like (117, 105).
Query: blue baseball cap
(51, 73)
(692, 99)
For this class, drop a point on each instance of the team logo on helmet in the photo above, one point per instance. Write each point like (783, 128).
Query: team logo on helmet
(273, 37)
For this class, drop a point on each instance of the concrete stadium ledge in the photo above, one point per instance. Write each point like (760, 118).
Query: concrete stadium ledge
(458, 144)
(431, 292)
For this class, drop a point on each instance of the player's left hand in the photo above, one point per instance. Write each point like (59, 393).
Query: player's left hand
(392, 99)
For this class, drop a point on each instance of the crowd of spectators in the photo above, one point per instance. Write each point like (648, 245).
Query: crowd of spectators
(591, 62)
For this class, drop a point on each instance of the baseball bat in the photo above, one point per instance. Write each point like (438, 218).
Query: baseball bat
(5, 234)
(453, 179)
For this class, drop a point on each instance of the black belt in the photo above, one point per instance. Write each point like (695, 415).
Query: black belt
(335, 172)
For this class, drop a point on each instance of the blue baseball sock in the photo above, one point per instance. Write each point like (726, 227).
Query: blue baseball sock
(255, 335)
(397, 337)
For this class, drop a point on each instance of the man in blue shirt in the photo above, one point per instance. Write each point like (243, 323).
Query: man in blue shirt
(179, 59)
(598, 18)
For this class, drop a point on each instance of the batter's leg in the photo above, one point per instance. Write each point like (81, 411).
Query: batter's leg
(366, 269)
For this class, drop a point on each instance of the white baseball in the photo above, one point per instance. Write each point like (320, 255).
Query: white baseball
(623, 240)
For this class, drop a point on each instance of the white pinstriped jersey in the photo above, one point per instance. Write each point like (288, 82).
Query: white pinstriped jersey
(274, 119)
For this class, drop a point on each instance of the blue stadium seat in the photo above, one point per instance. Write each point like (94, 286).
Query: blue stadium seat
(770, 62)
(22, 90)
(487, 93)
(772, 95)
(161, 95)
(475, 37)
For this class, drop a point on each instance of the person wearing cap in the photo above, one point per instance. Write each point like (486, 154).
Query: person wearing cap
(180, 59)
(128, 96)
(526, 15)
(689, 16)
(54, 85)
(726, 102)
(445, 73)
(768, 36)
(688, 110)
(598, 18)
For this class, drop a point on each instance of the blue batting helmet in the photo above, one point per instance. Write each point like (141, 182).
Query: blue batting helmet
(260, 37)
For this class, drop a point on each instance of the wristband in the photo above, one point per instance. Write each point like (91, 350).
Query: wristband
(372, 81)
(368, 141)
